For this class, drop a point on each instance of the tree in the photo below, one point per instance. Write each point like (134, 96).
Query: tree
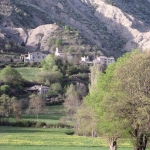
(95, 72)
(71, 100)
(56, 88)
(16, 108)
(58, 42)
(36, 103)
(129, 99)
(49, 63)
(99, 86)
(5, 105)
(11, 76)
(81, 90)
(5, 89)
(10, 105)
(85, 121)
(48, 77)
(51, 73)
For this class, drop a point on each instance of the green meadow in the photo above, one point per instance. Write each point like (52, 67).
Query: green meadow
(28, 73)
(20, 138)
(52, 115)
(16, 138)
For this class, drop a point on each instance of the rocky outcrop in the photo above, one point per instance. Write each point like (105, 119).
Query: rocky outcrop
(136, 33)
(114, 28)
(34, 39)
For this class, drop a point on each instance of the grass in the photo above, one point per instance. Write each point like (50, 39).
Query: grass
(28, 73)
(12, 138)
(55, 113)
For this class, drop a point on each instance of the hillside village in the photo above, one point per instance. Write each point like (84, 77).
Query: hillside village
(39, 56)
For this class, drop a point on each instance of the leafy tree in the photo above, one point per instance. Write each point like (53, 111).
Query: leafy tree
(16, 108)
(11, 76)
(58, 42)
(49, 63)
(5, 105)
(51, 73)
(56, 88)
(129, 99)
(99, 86)
(81, 90)
(48, 77)
(10, 105)
(5, 89)
(85, 121)
(36, 103)
(71, 100)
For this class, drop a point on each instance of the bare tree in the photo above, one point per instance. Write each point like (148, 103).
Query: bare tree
(36, 103)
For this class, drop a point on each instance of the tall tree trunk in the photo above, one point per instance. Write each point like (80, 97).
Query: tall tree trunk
(141, 142)
(112, 144)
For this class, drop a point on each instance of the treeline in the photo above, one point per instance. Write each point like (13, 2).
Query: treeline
(118, 103)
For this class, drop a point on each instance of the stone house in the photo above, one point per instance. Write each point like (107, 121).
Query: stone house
(104, 60)
(38, 89)
(33, 57)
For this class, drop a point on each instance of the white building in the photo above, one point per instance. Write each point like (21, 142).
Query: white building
(84, 58)
(68, 56)
(33, 57)
(104, 60)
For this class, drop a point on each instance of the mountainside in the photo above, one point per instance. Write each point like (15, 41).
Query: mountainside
(110, 26)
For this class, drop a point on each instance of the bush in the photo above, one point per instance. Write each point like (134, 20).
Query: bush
(24, 123)
(40, 124)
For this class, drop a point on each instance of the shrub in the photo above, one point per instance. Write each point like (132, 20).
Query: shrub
(40, 124)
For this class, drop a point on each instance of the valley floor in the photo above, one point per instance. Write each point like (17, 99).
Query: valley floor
(16, 138)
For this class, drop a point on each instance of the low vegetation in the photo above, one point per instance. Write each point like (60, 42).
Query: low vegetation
(30, 138)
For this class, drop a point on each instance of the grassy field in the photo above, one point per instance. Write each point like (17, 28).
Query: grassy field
(12, 138)
(28, 73)
(17, 138)
(55, 113)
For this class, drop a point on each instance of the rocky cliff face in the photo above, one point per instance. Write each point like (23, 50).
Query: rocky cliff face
(114, 26)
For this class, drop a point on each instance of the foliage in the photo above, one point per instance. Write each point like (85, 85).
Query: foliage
(71, 100)
(48, 77)
(129, 98)
(5, 89)
(85, 121)
(11, 76)
(16, 108)
(58, 42)
(5, 105)
(56, 88)
(49, 63)
(10, 105)
(101, 84)
(36, 103)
